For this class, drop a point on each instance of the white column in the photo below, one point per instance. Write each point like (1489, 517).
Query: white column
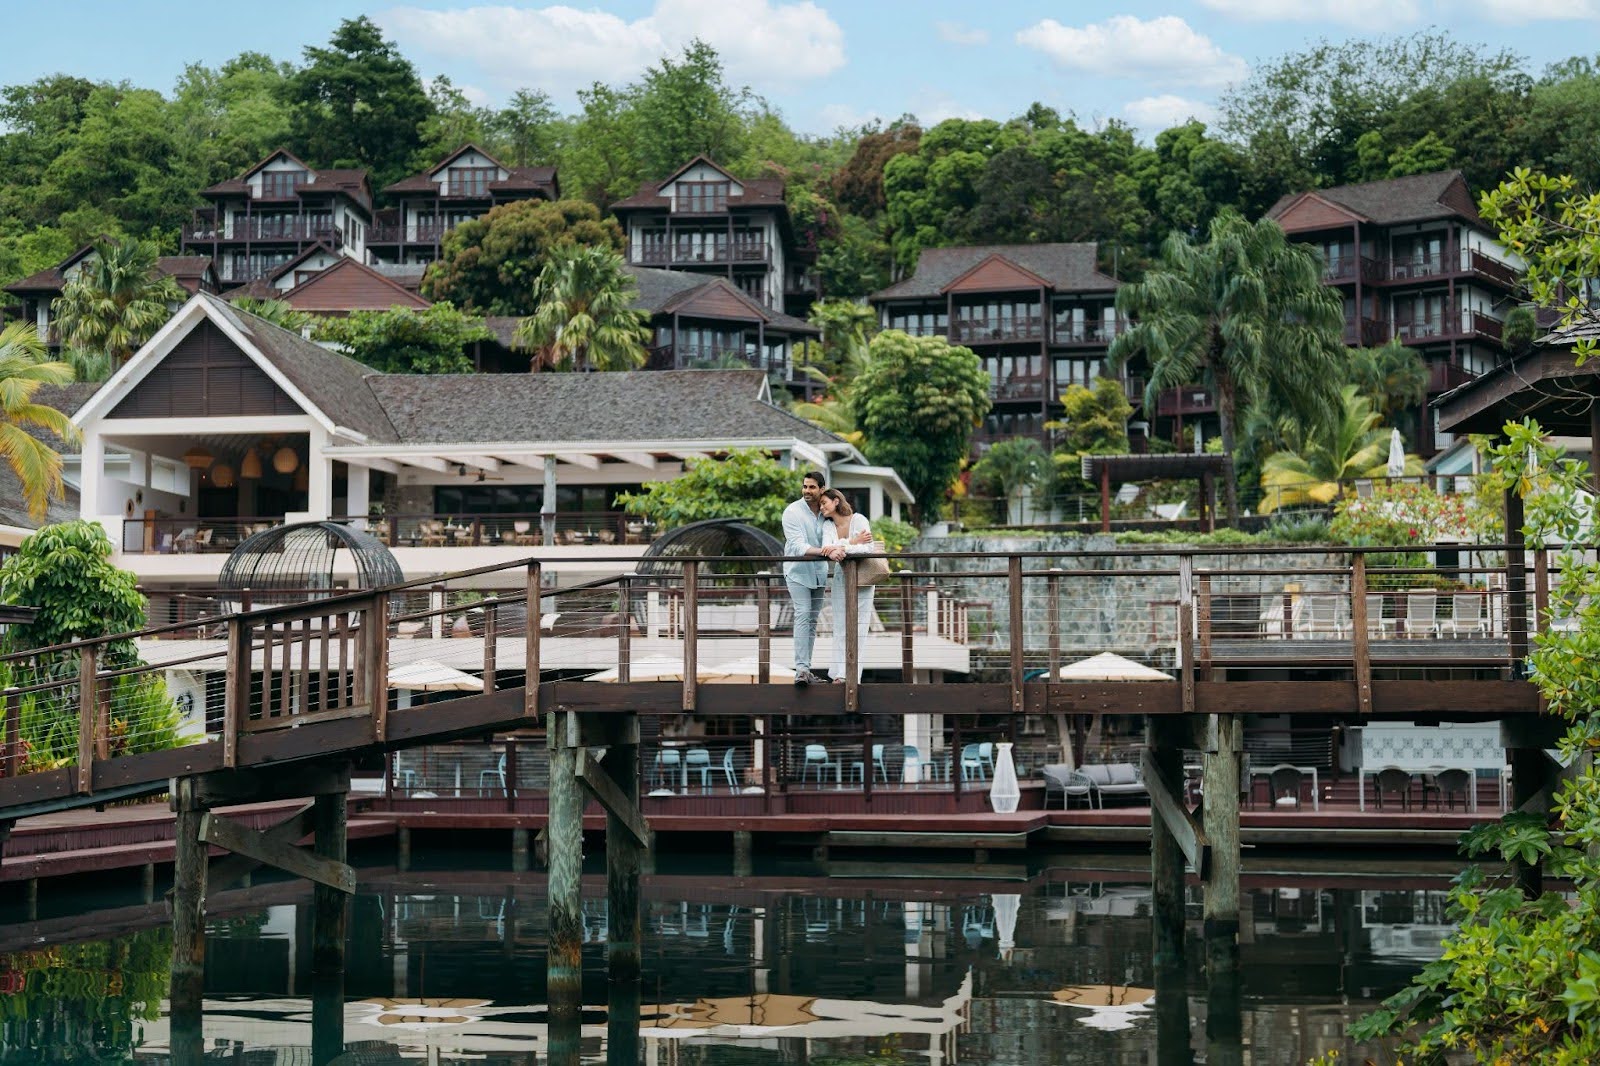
(548, 507)
(91, 472)
(319, 494)
(358, 489)
(875, 500)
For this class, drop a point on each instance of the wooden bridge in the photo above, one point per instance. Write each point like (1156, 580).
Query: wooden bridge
(292, 695)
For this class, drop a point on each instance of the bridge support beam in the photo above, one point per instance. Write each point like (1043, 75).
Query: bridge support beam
(564, 958)
(187, 986)
(1220, 784)
(1169, 821)
(329, 922)
(623, 851)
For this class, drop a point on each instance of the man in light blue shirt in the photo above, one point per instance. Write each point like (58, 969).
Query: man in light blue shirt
(807, 581)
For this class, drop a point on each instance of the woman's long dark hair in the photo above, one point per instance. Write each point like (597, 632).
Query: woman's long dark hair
(837, 497)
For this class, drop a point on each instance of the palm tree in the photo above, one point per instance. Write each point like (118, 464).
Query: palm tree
(1246, 314)
(1393, 378)
(1316, 468)
(117, 300)
(24, 368)
(582, 319)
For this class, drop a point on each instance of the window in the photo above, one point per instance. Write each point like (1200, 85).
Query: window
(278, 184)
(701, 197)
(469, 181)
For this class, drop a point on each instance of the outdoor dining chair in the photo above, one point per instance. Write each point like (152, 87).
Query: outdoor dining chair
(498, 774)
(729, 772)
(1450, 784)
(817, 756)
(1421, 619)
(972, 766)
(1393, 781)
(668, 762)
(1285, 782)
(698, 761)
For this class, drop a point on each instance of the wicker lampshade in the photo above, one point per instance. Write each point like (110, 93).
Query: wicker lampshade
(197, 458)
(250, 467)
(284, 460)
(222, 476)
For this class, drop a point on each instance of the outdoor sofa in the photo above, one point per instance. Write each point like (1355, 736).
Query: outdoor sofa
(1095, 781)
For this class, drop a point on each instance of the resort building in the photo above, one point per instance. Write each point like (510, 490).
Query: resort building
(1414, 262)
(37, 293)
(277, 211)
(461, 188)
(224, 425)
(1040, 316)
(704, 221)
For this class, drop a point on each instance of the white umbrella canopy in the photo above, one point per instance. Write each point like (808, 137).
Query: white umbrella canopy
(1109, 666)
(745, 671)
(1397, 455)
(646, 669)
(425, 675)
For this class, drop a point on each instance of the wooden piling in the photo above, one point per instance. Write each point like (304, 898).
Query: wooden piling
(519, 851)
(187, 986)
(1166, 855)
(1221, 789)
(743, 853)
(622, 907)
(564, 961)
(330, 909)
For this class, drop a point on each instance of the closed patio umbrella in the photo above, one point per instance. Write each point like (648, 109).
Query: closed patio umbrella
(425, 675)
(1397, 455)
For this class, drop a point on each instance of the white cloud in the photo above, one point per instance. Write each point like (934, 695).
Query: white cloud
(846, 116)
(561, 49)
(1514, 11)
(1152, 114)
(1354, 12)
(956, 33)
(933, 108)
(1161, 49)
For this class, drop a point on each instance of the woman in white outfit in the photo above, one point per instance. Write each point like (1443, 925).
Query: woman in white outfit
(843, 527)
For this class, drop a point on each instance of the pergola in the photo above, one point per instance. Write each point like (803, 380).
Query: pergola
(1204, 468)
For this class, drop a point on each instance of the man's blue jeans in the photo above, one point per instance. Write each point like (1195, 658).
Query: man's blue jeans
(807, 605)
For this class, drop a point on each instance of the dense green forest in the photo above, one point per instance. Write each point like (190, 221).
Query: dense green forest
(81, 158)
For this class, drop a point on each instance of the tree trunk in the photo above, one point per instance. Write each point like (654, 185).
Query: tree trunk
(1230, 477)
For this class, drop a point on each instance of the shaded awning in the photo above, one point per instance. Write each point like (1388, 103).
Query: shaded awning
(1150, 467)
(1547, 384)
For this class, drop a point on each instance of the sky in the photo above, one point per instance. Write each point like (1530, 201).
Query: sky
(821, 63)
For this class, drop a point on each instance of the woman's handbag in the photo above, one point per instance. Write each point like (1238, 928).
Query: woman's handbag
(874, 569)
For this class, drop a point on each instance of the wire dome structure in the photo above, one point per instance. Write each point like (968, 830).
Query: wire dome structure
(735, 537)
(294, 563)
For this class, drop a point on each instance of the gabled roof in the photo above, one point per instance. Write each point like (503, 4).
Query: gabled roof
(1061, 267)
(692, 406)
(468, 147)
(351, 181)
(328, 386)
(263, 288)
(54, 279)
(1416, 198)
(532, 179)
(349, 285)
(757, 192)
(996, 274)
(668, 292)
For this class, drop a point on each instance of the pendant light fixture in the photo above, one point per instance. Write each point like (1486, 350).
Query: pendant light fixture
(197, 458)
(285, 460)
(250, 466)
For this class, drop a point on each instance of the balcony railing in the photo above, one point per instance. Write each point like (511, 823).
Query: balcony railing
(1489, 267)
(697, 253)
(397, 233)
(1450, 323)
(1442, 377)
(207, 536)
(1020, 387)
(265, 229)
(1365, 332)
(1090, 333)
(997, 330)
(1190, 400)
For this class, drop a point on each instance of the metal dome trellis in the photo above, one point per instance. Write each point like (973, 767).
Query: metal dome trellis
(711, 537)
(288, 564)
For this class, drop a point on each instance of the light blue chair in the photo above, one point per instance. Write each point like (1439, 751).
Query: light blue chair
(912, 766)
(986, 756)
(973, 767)
(817, 756)
(668, 762)
(497, 775)
(698, 761)
(729, 772)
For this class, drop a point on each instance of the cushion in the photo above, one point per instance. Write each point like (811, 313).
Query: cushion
(1099, 773)
(1122, 773)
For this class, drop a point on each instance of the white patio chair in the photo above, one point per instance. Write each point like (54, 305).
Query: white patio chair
(1466, 609)
(1377, 625)
(1421, 614)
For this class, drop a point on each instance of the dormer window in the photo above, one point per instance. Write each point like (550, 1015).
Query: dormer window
(281, 184)
(469, 181)
(702, 197)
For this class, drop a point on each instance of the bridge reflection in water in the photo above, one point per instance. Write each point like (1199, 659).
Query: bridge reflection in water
(449, 964)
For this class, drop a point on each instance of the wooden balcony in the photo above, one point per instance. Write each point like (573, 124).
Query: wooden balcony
(1022, 328)
(1191, 400)
(399, 233)
(264, 230)
(1086, 334)
(1023, 387)
(1442, 377)
(715, 253)
(1453, 323)
(1365, 332)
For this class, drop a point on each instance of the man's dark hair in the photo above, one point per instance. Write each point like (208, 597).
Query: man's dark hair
(815, 475)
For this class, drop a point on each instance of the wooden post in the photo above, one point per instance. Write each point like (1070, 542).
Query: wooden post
(329, 919)
(88, 717)
(564, 962)
(1516, 585)
(622, 904)
(1186, 631)
(691, 631)
(624, 629)
(1166, 857)
(531, 630)
(851, 624)
(491, 635)
(764, 627)
(1359, 643)
(908, 636)
(187, 987)
(1221, 812)
(377, 626)
(1019, 637)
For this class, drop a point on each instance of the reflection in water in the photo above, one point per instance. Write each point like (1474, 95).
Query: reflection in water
(449, 967)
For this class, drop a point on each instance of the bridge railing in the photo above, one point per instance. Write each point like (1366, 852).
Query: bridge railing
(1011, 618)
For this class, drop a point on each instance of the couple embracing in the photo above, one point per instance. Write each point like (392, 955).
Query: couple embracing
(822, 526)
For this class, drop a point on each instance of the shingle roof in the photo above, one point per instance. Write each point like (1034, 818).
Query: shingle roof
(757, 192)
(518, 178)
(52, 279)
(184, 266)
(1417, 198)
(665, 291)
(657, 405)
(334, 383)
(1067, 267)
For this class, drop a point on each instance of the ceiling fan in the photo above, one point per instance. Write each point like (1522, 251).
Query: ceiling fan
(481, 474)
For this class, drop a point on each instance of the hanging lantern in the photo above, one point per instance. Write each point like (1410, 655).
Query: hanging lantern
(251, 466)
(222, 476)
(284, 460)
(302, 480)
(197, 458)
